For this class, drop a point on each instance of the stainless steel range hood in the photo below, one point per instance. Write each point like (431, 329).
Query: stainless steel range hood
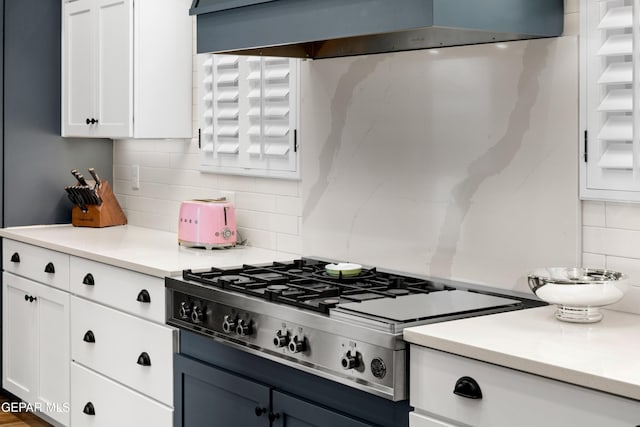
(333, 28)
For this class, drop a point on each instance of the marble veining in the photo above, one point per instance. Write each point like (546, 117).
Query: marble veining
(493, 161)
(340, 103)
(458, 163)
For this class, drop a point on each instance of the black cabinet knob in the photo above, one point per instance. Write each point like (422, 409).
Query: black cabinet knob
(260, 411)
(88, 280)
(49, 268)
(32, 298)
(144, 359)
(273, 417)
(88, 121)
(89, 409)
(15, 257)
(89, 337)
(26, 297)
(144, 296)
(91, 121)
(467, 387)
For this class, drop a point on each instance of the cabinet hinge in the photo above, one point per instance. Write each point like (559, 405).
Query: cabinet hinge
(199, 138)
(586, 146)
(295, 140)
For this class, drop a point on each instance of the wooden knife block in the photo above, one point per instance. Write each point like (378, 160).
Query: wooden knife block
(104, 215)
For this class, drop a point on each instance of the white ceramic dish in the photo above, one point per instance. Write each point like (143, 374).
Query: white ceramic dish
(578, 292)
(346, 268)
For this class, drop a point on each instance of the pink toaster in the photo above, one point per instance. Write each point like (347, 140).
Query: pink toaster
(207, 223)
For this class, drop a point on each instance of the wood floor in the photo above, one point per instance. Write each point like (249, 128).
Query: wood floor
(18, 419)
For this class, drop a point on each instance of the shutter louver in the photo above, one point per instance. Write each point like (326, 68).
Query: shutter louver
(249, 110)
(610, 38)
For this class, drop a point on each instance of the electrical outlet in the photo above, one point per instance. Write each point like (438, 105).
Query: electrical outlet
(135, 177)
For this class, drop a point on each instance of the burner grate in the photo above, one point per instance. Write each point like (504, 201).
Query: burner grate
(304, 283)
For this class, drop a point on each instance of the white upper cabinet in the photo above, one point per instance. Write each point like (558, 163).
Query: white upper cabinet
(610, 63)
(248, 109)
(127, 69)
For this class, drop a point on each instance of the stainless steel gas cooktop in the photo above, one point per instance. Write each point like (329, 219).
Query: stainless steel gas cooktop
(348, 329)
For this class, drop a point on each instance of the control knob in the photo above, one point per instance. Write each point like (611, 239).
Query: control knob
(229, 324)
(296, 345)
(197, 314)
(350, 360)
(185, 310)
(243, 328)
(280, 340)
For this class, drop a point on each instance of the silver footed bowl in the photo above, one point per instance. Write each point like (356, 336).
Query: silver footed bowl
(578, 292)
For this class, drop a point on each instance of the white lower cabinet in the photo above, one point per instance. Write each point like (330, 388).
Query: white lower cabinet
(508, 397)
(76, 331)
(132, 351)
(418, 420)
(35, 344)
(98, 401)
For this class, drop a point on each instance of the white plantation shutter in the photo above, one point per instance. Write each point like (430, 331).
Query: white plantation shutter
(248, 108)
(609, 105)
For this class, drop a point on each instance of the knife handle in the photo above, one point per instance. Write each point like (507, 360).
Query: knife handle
(76, 175)
(82, 181)
(95, 176)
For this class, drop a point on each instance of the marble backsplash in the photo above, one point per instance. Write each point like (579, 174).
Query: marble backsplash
(458, 163)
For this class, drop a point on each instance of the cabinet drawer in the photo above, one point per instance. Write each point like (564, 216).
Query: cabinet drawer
(123, 289)
(36, 263)
(507, 395)
(133, 351)
(112, 404)
(417, 420)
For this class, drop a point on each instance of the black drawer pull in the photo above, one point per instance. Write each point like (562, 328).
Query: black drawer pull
(467, 387)
(88, 280)
(89, 337)
(30, 298)
(144, 359)
(15, 257)
(144, 296)
(49, 268)
(89, 409)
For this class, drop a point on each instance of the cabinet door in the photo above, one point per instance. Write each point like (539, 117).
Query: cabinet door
(206, 396)
(114, 67)
(52, 336)
(19, 349)
(78, 68)
(292, 412)
(35, 342)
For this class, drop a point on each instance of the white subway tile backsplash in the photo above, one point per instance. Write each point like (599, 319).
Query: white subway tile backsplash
(184, 161)
(289, 243)
(277, 186)
(594, 260)
(622, 243)
(287, 224)
(628, 266)
(289, 205)
(593, 240)
(237, 183)
(571, 24)
(571, 6)
(621, 215)
(593, 214)
(256, 202)
(259, 238)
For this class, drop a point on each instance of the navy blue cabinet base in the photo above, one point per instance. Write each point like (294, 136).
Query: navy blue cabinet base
(216, 385)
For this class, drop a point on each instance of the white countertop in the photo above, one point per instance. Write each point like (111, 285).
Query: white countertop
(603, 356)
(145, 250)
